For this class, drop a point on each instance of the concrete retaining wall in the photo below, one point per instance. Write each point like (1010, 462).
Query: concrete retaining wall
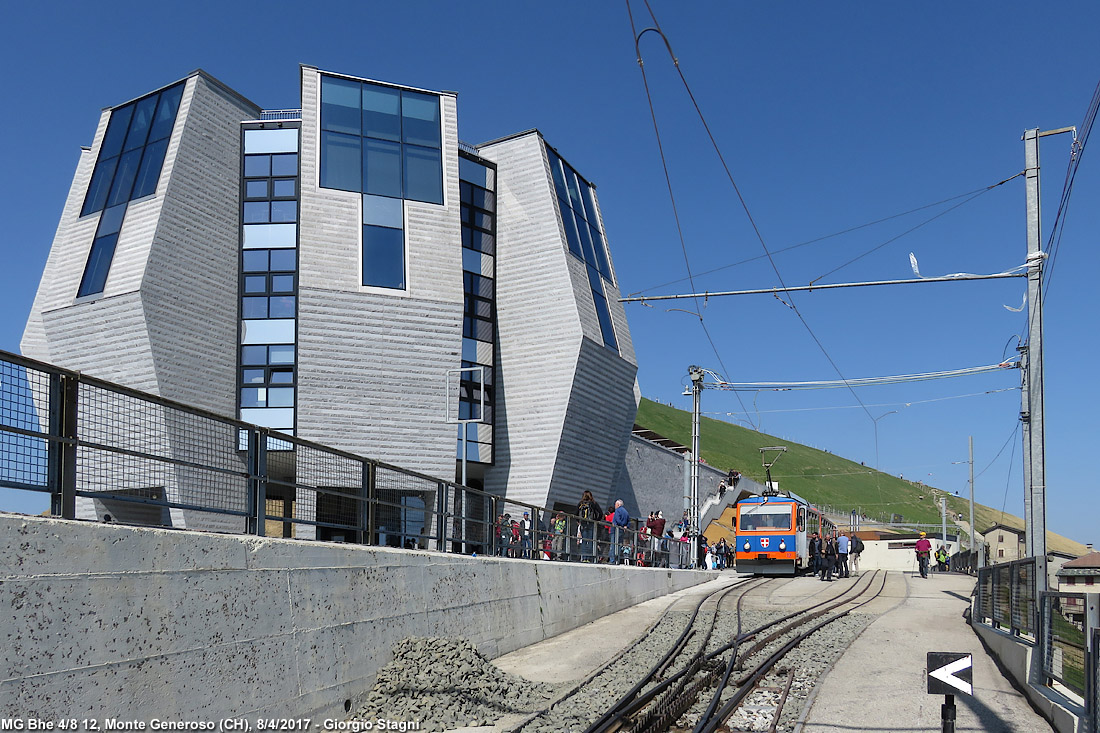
(1019, 659)
(108, 621)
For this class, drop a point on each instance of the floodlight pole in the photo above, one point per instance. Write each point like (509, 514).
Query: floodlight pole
(696, 374)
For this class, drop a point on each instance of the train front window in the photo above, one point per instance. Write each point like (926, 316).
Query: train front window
(757, 517)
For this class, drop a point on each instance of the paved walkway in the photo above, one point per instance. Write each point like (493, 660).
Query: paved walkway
(880, 684)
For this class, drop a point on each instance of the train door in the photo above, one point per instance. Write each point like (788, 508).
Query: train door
(800, 537)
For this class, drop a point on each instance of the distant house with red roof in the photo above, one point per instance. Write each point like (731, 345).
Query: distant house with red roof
(1079, 576)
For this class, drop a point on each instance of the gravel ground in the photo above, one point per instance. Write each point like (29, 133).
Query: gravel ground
(447, 684)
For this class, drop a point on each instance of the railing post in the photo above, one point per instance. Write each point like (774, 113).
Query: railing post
(257, 479)
(61, 461)
(370, 476)
(441, 516)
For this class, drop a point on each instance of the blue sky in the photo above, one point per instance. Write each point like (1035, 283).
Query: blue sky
(830, 116)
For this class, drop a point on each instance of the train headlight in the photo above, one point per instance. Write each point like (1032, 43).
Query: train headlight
(746, 545)
(782, 546)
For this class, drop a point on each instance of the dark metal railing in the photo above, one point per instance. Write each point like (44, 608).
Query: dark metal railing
(106, 452)
(1006, 596)
(1062, 641)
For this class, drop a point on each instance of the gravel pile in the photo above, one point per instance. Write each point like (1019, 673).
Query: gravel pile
(447, 683)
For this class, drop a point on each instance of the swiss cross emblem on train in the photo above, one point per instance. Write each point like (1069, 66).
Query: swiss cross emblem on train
(764, 542)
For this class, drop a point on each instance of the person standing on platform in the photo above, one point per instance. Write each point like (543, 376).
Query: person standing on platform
(923, 549)
(843, 544)
(525, 535)
(619, 520)
(828, 557)
(853, 556)
(589, 512)
(813, 551)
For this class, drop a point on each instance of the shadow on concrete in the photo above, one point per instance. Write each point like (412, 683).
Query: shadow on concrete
(960, 596)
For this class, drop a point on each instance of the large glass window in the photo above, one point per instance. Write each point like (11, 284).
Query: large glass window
(579, 215)
(380, 140)
(131, 156)
(132, 150)
(582, 236)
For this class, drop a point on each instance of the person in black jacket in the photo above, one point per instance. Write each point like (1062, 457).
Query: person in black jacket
(813, 550)
(590, 513)
(828, 557)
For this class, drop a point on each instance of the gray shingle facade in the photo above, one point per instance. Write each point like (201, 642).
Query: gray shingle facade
(368, 369)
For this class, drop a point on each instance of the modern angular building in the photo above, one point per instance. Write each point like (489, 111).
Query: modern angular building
(351, 273)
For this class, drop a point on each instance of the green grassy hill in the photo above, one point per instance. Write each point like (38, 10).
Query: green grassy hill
(822, 477)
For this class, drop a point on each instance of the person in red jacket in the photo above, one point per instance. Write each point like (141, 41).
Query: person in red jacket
(924, 549)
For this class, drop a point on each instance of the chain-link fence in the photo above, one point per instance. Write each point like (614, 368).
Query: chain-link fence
(1006, 596)
(108, 453)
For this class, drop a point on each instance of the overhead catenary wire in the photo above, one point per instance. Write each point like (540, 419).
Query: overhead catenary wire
(733, 183)
(1076, 154)
(877, 404)
(668, 178)
(861, 381)
(815, 240)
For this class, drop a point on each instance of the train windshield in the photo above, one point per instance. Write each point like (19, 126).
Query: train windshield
(755, 517)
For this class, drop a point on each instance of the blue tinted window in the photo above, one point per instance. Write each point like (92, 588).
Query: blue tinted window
(423, 175)
(140, 122)
(601, 253)
(398, 139)
(281, 307)
(256, 166)
(283, 187)
(257, 212)
(383, 257)
(284, 211)
(252, 376)
(165, 117)
(254, 307)
(604, 315)
(255, 189)
(340, 105)
(283, 354)
(254, 397)
(381, 112)
(282, 283)
(420, 119)
(340, 162)
(149, 172)
(140, 126)
(255, 283)
(280, 397)
(283, 259)
(382, 167)
(570, 225)
(253, 354)
(100, 186)
(110, 221)
(282, 376)
(255, 260)
(124, 177)
(116, 132)
(284, 164)
(99, 264)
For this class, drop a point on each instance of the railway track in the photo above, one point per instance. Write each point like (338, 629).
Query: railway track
(730, 673)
